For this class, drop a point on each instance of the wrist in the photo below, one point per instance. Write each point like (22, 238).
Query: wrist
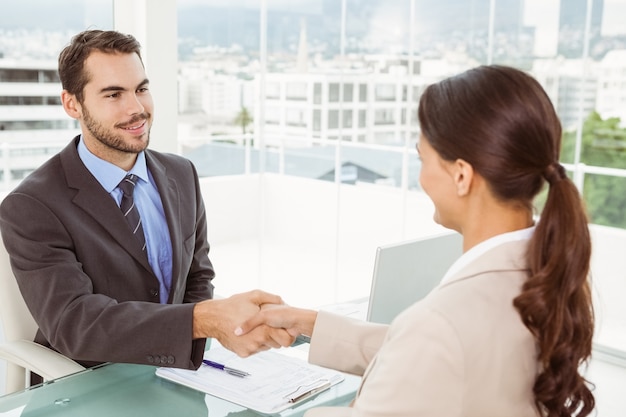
(203, 326)
(306, 321)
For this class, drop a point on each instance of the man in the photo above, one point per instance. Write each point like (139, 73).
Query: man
(101, 289)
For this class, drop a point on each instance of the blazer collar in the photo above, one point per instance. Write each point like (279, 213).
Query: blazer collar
(509, 256)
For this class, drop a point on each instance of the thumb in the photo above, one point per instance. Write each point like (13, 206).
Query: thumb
(249, 325)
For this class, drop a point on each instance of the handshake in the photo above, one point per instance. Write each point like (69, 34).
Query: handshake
(251, 322)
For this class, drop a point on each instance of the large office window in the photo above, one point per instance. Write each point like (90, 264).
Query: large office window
(372, 58)
(261, 83)
(33, 124)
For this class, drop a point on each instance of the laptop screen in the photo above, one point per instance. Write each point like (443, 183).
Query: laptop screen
(406, 272)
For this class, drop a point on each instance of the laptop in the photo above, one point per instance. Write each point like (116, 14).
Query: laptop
(406, 272)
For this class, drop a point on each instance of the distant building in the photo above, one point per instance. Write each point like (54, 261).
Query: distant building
(612, 86)
(359, 165)
(209, 97)
(352, 174)
(571, 87)
(33, 125)
(353, 105)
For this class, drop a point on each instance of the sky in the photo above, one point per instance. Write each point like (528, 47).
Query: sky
(376, 22)
(55, 14)
(52, 14)
(283, 5)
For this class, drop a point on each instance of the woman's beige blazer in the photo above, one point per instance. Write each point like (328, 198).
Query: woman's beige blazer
(461, 351)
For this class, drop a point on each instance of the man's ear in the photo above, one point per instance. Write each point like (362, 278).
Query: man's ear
(463, 174)
(71, 105)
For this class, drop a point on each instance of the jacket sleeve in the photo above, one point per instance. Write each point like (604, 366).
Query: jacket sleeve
(344, 343)
(415, 372)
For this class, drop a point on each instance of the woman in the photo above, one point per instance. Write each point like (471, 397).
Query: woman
(506, 331)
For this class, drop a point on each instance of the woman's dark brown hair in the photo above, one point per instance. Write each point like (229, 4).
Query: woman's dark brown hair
(72, 57)
(501, 121)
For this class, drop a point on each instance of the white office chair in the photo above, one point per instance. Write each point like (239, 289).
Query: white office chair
(23, 355)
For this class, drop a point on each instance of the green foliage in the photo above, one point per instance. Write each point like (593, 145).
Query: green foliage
(603, 144)
(243, 119)
(605, 197)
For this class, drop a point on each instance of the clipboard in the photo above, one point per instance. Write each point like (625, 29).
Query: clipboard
(277, 380)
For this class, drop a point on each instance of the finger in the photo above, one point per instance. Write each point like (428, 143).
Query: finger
(272, 306)
(261, 297)
(258, 347)
(250, 348)
(250, 324)
(293, 333)
(277, 338)
(262, 348)
(283, 338)
(272, 343)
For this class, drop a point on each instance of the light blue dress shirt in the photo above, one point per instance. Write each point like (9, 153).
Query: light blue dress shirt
(148, 202)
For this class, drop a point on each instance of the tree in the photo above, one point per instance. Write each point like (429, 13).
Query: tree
(603, 145)
(243, 119)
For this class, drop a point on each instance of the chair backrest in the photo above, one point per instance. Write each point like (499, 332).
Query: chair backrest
(17, 322)
(22, 354)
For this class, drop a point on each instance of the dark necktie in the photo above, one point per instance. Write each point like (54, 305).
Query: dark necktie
(130, 210)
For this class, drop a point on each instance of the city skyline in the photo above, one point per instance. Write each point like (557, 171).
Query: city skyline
(371, 26)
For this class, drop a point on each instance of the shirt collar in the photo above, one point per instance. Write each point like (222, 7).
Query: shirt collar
(108, 174)
(485, 246)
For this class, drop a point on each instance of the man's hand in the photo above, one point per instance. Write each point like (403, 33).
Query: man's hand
(218, 319)
(295, 321)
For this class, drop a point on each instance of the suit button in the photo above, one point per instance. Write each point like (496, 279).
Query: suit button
(170, 360)
(150, 359)
(154, 292)
(163, 360)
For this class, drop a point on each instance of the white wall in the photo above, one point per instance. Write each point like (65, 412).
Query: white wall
(609, 282)
(295, 245)
(3, 369)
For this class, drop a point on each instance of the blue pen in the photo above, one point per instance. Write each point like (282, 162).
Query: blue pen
(232, 371)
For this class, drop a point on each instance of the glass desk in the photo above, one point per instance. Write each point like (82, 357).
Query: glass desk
(135, 390)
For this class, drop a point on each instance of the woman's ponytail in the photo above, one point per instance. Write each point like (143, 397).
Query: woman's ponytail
(556, 301)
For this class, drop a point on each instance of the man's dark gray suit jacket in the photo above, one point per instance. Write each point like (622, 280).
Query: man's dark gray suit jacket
(82, 272)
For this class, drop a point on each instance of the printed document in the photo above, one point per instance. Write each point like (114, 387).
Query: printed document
(277, 380)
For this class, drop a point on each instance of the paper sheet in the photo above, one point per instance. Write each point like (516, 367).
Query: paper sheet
(274, 379)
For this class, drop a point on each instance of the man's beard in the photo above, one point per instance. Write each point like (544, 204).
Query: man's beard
(113, 140)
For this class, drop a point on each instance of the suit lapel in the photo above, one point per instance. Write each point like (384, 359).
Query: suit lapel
(94, 200)
(170, 199)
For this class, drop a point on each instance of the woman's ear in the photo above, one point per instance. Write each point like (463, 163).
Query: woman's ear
(70, 105)
(463, 175)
